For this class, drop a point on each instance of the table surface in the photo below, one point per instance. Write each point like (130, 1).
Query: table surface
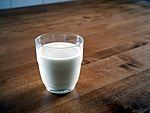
(115, 74)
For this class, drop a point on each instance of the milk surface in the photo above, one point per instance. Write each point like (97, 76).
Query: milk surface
(59, 64)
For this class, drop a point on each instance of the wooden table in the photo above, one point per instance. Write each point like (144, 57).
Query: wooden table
(115, 74)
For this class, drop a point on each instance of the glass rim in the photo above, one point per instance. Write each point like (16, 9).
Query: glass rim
(59, 33)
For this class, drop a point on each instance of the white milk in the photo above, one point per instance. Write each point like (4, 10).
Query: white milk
(59, 65)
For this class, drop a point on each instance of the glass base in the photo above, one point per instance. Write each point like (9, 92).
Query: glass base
(64, 91)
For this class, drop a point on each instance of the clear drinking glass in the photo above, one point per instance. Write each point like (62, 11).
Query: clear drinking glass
(59, 57)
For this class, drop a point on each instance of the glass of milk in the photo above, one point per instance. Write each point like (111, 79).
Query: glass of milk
(59, 56)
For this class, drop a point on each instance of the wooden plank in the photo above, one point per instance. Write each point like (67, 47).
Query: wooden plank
(93, 76)
(115, 70)
(124, 96)
(30, 69)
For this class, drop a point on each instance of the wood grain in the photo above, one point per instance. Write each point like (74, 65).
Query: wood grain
(115, 74)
